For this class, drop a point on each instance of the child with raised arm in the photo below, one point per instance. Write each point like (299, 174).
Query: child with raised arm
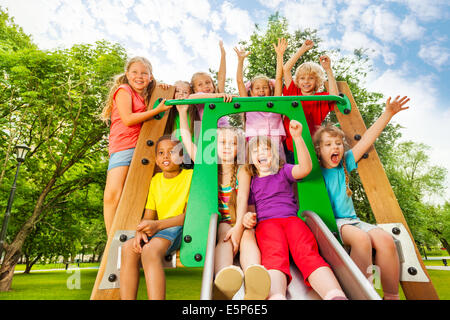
(160, 231)
(263, 123)
(279, 231)
(203, 87)
(308, 80)
(229, 278)
(336, 164)
(126, 110)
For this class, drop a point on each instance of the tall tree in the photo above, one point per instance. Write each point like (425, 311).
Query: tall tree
(53, 100)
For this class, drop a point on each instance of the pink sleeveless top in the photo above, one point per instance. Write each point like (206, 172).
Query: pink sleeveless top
(122, 137)
(263, 124)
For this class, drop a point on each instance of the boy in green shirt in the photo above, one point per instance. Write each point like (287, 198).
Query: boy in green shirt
(160, 230)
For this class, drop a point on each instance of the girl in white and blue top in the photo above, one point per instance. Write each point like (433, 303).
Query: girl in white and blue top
(336, 164)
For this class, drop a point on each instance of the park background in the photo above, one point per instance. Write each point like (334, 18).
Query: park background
(57, 58)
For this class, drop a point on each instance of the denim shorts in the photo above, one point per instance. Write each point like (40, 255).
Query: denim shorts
(173, 234)
(120, 158)
(364, 226)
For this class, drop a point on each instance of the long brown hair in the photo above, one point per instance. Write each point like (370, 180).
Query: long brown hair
(333, 131)
(122, 79)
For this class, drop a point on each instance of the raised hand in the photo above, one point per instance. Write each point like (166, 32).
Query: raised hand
(307, 45)
(295, 128)
(393, 107)
(281, 47)
(241, 53)
(222, 49)
(325, 62)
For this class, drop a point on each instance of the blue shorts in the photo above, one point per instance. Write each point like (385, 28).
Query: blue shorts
(173, 234)
(120, 158)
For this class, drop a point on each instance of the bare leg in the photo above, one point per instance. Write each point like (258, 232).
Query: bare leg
(152, 254)
(256, 277)
(278, 286)
(115, 180)
(387, 259)
(361, 252)
(224, 250)
(129, 272)
(249, 251)
(324, 282)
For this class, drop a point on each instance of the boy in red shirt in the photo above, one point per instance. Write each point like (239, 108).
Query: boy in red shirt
(307, 80)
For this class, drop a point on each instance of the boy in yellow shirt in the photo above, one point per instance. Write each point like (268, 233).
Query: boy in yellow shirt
(160, 230)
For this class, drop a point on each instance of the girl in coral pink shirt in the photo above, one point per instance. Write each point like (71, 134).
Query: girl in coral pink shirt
(126, 110)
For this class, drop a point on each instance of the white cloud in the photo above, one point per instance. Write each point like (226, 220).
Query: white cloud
(353, 39)
(381, 22)
(410, 30)
(425, 121)
(272, 4)
(435, 55)
(427, 10)
(237, 21)
(313, 14)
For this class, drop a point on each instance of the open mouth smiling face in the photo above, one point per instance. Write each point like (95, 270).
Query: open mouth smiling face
(262, 159)
(331, 150)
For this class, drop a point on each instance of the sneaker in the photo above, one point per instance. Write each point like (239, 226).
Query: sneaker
(257, 283)
(227, 282)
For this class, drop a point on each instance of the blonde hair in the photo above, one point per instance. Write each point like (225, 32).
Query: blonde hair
(333, 131)
(122, 79)
(277, 162)
(312, 68)
(198, 74)
(233, 182)
(260, 77)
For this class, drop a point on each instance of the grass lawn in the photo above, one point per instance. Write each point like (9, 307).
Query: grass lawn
(182, 284)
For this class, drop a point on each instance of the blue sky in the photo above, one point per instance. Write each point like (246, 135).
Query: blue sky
(408, 42)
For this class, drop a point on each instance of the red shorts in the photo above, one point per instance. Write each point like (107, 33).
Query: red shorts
(279, 236)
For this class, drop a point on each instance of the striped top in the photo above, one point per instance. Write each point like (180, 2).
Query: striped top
(224, 193)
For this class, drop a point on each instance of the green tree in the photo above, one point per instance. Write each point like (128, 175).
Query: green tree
(415, 183)
(53, 98)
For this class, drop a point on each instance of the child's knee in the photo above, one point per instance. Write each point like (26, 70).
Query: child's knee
(153, 252)
(360, 239)
(127, 248)
(384, 241)
(112, 195)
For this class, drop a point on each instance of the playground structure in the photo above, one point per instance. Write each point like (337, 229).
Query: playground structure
(199, 232)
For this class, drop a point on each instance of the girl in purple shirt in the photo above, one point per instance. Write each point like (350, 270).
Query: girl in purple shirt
(279, 231)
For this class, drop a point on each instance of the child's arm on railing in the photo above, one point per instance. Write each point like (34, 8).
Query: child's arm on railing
(185, 133)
